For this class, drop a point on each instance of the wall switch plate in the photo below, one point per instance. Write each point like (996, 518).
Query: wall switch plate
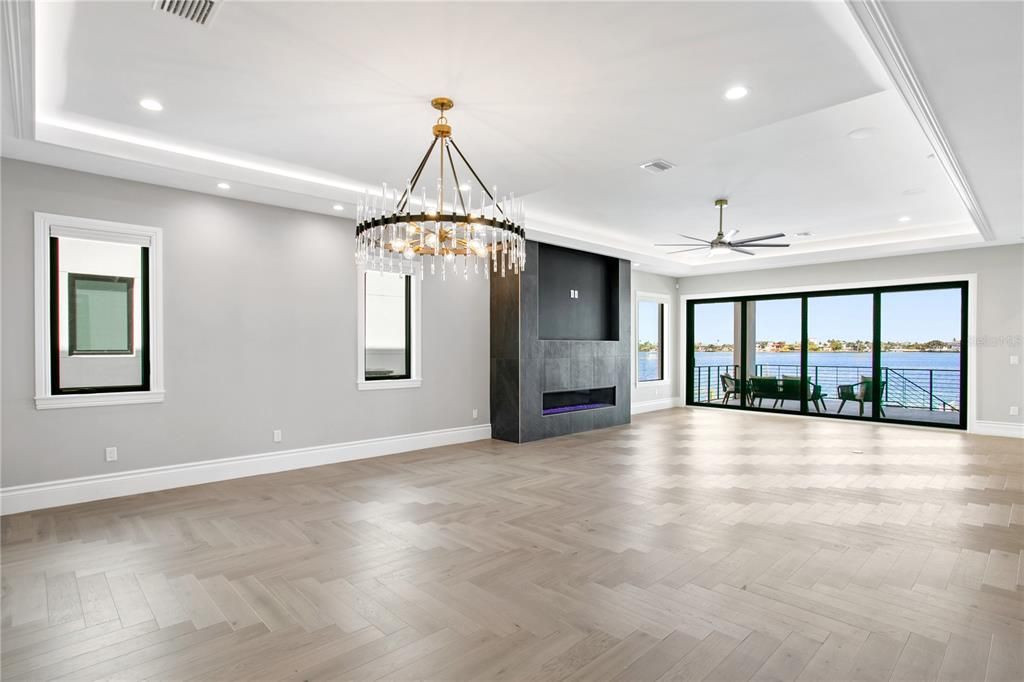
(111, 454)
(476, 413)
(277, 435)
(1014, 410)
(1014, 359)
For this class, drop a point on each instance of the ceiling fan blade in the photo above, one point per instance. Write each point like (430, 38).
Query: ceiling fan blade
(694, 238)
(684, 244)
(761, 238)
(730, 234)
(749, 253)
(699, 248)
(748, 245)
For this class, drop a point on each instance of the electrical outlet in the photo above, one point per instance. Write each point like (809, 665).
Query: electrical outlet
(111, 454)
(277, 435)
(1014, 410)
(476, 413)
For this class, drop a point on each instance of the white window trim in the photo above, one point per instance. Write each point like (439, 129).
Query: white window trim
(666, 370)
(415, 378)
(49, 224)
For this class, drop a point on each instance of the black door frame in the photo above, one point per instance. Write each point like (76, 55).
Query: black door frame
(876, 348)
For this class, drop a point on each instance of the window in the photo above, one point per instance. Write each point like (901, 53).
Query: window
(101, 312)
(97, 313)
(388, 343)
(889, 352)
(651, 342)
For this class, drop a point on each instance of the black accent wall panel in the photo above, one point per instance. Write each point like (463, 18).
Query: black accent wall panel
(577, 297)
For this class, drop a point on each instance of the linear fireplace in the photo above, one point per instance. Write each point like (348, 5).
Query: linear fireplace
(559, 402)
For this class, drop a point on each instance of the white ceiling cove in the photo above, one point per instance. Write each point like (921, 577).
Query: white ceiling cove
(308, 104)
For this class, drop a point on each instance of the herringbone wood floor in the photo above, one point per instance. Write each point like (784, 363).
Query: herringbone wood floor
(692, 544)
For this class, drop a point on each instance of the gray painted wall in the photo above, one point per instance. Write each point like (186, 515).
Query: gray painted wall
(1000, 306)
(260, 333)
(651, 283)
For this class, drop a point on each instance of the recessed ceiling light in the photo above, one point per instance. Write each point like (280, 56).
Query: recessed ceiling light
(904, 219)
(912, 191)
(636, 265)
(338, 207)
(804, 234)
(151, 104)
(736, 92)
(223, 185)
(861, 133)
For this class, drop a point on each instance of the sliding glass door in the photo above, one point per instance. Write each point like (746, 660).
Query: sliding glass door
(713, 351)
(774, 327)
(880, 353)
(922, 364)
(840, 361)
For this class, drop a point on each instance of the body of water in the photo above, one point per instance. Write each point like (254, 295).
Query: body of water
(648, 365)
(897, 360)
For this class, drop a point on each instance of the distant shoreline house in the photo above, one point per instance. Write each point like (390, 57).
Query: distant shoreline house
(838, 346)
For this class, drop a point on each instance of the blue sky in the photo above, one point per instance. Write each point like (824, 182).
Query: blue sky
(647, 321)
(906, 316)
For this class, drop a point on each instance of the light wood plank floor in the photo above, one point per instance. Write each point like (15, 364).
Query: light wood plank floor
(692, 544)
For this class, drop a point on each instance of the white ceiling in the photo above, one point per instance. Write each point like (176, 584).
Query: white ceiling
(304, 104)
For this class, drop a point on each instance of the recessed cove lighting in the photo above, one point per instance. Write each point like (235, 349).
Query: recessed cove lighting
(861, 133)
(904, 219)
(736, 92)
(338, 207)
(223, 185)
(151, 104)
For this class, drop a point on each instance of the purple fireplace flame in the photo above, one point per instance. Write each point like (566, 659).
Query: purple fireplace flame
(560, 402)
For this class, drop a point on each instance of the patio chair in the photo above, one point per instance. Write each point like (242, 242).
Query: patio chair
(729, 388)
(791, 391)
(859, 393)
(764, 387)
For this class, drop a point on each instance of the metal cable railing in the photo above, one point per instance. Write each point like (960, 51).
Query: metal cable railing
(926, 388)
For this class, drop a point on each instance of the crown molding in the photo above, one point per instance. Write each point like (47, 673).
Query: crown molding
(18, 34)
(877, 28)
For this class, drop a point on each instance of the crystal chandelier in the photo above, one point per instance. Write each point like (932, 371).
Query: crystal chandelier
(453, 234)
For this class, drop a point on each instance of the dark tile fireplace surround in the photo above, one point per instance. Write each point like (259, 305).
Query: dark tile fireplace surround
(543, 387)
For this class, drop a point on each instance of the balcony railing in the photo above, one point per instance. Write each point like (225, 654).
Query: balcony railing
(914, 388)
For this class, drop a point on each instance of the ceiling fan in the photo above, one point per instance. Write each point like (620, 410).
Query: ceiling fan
(724, 242)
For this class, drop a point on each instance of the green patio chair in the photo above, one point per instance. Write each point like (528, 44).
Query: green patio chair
(729, 388)
(859, 393)
(764, 387)
(791, 391)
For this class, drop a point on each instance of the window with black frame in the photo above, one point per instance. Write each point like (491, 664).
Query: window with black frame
(889, 353)
(99, 310)
(650, 340)
(388, 326)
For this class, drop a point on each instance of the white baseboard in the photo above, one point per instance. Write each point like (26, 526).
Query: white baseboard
(990, 428)
(22, 498)
(653, 405)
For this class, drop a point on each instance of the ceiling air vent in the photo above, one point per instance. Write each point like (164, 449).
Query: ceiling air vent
(657, 166)
(197, 11)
